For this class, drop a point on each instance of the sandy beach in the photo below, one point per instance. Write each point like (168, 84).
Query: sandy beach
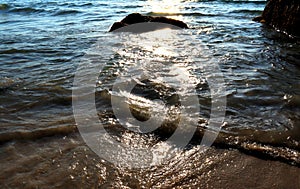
(39, 164)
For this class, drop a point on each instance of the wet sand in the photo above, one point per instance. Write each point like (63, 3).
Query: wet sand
(66, 162)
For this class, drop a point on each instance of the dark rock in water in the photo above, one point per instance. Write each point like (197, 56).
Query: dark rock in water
(283, 15)
(138, 18)
(117, 25)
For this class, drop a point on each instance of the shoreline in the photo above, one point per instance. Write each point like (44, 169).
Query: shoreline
(40, 164)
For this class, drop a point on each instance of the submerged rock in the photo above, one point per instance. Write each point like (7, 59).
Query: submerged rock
(138, 18)
(283, 15)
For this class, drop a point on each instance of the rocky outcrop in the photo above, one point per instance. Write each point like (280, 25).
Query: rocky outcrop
(138, 18)
(283, 15)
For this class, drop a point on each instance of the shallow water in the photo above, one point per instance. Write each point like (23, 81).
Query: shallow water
(42, 43)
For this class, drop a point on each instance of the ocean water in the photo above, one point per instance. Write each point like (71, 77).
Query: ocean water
(42, 44)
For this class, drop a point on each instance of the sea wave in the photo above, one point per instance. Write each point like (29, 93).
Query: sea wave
(4, 7)
(35, 133)
(179, 14)
(66, 12)
(26, 10)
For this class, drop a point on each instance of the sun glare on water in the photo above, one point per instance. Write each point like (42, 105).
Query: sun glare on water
(168, 8)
